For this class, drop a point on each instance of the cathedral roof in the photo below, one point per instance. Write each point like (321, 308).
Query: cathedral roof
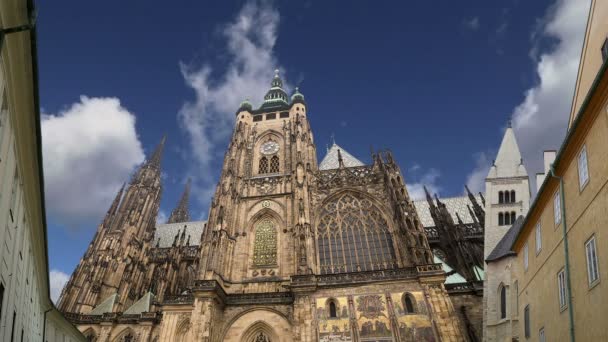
(165, 233)
(453, 204)
(106, 306)
(142, 305)
(508, 162)
(331, 159)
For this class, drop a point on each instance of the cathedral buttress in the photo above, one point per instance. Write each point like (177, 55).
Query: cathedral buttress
(114, 261)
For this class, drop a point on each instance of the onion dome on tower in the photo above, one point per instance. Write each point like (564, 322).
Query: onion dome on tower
(276, 96)
(245, 106)
(297, 97)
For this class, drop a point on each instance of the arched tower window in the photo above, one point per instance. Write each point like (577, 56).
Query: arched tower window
(507, 197)
(501, 197)
(409, 303)
(263, 165)
(512, 196)
(512, 217)
(352, 236)
(503, 302)
(265, 244)
(501, 219)
(332, 310)
(274, 164)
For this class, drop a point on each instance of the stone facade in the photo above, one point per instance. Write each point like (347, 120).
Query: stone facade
(290, 251)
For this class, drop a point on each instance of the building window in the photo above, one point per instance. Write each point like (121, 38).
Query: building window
(512, 217)
(541, 335)
(271, 116)
(409, 303)
(501, 197)
(605, 50)
(512, 196)
(353, 236)
(561, 287)
(516, 297)
(583, 171)
(274, 164)
(539, 240)
(501, 219)
(503, 302)
(284, 115)
(265, 244)
(593, 272)
(557, 209)
(507, 197)
(332, 310)
(527, 321)
(257, 118)
(263, 168)
(526, 256)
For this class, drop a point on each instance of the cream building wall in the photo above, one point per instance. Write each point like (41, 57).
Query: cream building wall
(24, 286)
(585, 216)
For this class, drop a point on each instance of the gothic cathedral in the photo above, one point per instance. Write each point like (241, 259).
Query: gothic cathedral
(292, 250)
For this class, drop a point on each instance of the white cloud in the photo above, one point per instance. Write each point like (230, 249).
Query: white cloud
(57, 280)
(208, 120)
(477, 178)
(89, 149)
(429, 179)
(162, 217)
(472, 23)
(540, 120)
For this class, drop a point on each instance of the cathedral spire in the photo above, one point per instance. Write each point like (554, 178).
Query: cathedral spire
(114, 207)
(181, 213)
(157, 155)
(276, 96)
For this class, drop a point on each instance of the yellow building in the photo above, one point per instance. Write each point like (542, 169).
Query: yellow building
(561, 267)
(26, 310)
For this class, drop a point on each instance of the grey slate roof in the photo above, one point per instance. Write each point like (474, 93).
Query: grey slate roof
(166, 233)
(330, 161)
(142, 305)
(453, 204)
(503, 247)
(105, 306)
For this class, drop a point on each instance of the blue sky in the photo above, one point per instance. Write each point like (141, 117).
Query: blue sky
(435, 82)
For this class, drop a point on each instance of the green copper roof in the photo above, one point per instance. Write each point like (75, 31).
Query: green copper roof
(106, 306)
(276, 96)
(297, 96)
(142, 305)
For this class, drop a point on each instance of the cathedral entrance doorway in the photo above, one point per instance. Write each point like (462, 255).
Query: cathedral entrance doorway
(259, 325)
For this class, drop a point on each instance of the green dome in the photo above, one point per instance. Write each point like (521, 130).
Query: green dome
(297, 96)
(246, 105)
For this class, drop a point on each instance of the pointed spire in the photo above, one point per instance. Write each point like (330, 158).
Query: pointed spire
(157, 155)
(114, 207)
(181, 212)
(276, 96)
(508, 161)
(340, 160)
(479, 212)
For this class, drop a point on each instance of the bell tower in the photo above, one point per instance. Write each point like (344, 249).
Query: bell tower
(259, 213)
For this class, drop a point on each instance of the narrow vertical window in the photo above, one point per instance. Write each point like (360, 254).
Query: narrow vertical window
(539, 240)
(263, 165)
(593, 273)
(516, 298)
(541, 335)
(503, 302)
(557, 209)
(501, 197)
(274, 164)
(527, 321)
(512, 217)
(501, 219)
(583, 171)
(332, 310)
(526, 256)
(507, 197)
(561, 287)
(409, 303)
(512, 196)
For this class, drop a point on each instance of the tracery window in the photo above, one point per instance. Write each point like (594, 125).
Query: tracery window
(261, 337)
(263, 165)
(265, 244)
(353, 236)
(274, 164)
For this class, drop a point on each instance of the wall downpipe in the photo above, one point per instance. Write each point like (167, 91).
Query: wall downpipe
(562, 201)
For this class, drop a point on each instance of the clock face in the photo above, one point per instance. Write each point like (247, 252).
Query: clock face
(269, 147)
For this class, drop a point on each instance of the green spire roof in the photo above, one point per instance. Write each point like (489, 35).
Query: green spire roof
(276, 96)
(297, 96)
(245, 105)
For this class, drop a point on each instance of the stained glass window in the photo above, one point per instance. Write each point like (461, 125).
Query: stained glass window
(274, 164)
(353, 236)
(263, 165)
(265, 244)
